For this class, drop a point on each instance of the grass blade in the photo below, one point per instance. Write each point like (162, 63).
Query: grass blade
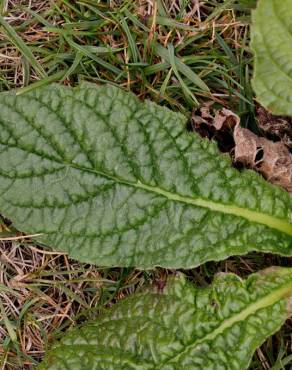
(182, 68)
(45, 81)
(188, 94)
(131, 41)
(22, 47)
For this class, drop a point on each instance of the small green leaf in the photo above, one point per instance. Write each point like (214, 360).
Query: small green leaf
(115, 181)
(183, 327)
(271, 42)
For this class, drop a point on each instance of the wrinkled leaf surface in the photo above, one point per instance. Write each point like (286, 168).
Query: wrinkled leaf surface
(115, 181)
(271, 42)
(183, 327)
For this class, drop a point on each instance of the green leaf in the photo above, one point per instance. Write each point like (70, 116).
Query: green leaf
(271, 43)
(115, 181)
(183, 327)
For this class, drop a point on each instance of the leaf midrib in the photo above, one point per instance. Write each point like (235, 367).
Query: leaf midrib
(270, 299)
(253, 216)
(258, 217)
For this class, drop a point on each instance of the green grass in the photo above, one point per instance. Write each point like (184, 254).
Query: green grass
(171, 53)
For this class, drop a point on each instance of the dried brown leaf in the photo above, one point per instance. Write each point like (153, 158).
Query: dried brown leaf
(225, 119)
(218, 119)
(272, 159)
(276, 126)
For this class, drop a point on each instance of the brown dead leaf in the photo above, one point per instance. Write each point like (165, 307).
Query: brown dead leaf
(215, 124)
(218, 119)
(275, 126)
(225, 119)
(272, 160)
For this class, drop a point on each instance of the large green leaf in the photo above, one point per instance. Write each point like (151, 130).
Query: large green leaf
(271, 42)
(115, 181)
(184, 327)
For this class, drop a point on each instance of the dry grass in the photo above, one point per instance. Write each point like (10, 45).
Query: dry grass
(196, 31)
(44, 293)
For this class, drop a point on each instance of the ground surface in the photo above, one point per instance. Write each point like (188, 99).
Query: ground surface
(44, 293)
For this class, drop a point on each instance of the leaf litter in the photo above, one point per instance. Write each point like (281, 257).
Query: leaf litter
(272, 159)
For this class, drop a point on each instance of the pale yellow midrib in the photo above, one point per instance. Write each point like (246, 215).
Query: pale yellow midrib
(262, 303)
(273, 222)
(261, 218)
